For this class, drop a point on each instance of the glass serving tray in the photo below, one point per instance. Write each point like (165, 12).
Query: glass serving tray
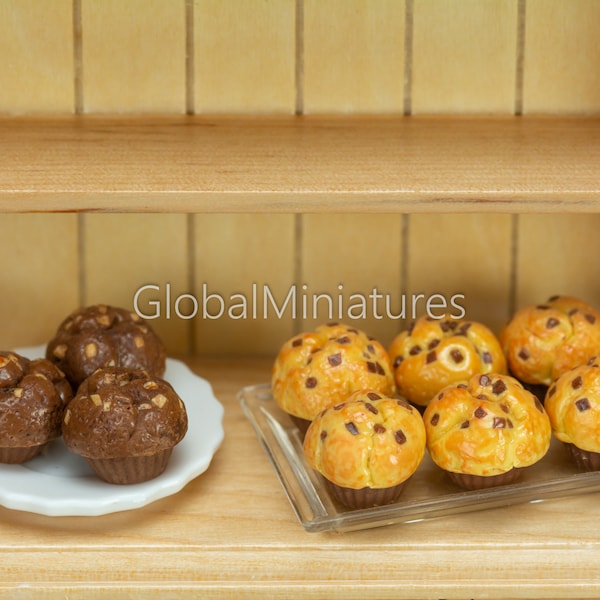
(428, 494)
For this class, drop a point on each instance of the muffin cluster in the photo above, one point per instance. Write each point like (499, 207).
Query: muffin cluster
(100, 387)
(449, 389)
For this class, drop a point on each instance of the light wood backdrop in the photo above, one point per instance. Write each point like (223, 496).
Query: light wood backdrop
(510, 57)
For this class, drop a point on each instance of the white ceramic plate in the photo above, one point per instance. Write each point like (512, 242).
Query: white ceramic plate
(59, 483)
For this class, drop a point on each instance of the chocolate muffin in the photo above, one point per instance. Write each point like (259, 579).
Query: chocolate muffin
(573, 405)
(366, 448)
(33, 395)
(316, 369)
(125, 424)
(434, 353)
(544, 341)
(104, 336)
(485, 431)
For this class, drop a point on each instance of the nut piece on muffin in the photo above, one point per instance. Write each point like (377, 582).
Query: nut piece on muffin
(573, 405)
(316, 369)
(485, 431)
(544, 341)
(33, 394)
(125, 424)
(104, 336)
(433, 353)
(366, 448)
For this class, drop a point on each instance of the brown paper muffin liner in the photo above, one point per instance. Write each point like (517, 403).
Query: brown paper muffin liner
(482, 482)
(132, 469)
(365, 497)
(584, 459)
(15, 456)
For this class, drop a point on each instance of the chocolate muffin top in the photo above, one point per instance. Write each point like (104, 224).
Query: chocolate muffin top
(104, 336)
(32, 399)
(120, 412)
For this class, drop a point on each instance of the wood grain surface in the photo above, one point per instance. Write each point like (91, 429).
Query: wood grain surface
(231, 533)
(291, 164)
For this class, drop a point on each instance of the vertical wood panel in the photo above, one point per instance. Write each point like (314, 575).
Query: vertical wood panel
(233, 252)
(244, 56)
(562, 54)
(361, 253)
(464, 56)
(134, 56)
(39, 283)
(124, 252)
(466, 254)
(353, 56)
(558, 254)
(36, 46)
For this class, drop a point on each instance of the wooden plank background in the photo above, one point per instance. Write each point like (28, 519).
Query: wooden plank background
(285, 57)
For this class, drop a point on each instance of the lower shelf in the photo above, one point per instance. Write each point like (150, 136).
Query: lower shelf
(232, 533)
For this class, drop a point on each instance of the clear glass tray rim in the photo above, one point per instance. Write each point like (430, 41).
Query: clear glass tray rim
(317, 512)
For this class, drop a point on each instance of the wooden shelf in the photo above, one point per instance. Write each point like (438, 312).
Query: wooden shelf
(232, 533)
(300, 164)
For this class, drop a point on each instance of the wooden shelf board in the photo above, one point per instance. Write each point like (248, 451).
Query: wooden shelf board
(232, 533)
(300, 164)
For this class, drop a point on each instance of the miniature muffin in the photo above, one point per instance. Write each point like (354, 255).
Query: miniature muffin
(573, 405)
(485, 431)
(314, 370)
(366, 448)
(103, 336)
(433, 353)
(32, 400)
(542, 342)
(125, 424)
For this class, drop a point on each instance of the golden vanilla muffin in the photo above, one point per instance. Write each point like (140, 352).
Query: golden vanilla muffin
(433, 353)
(484, 431)
(573, 405)
(366, 448)
(544, 341)
(316, 369)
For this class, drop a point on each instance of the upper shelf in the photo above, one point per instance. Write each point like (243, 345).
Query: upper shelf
(300, 164)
